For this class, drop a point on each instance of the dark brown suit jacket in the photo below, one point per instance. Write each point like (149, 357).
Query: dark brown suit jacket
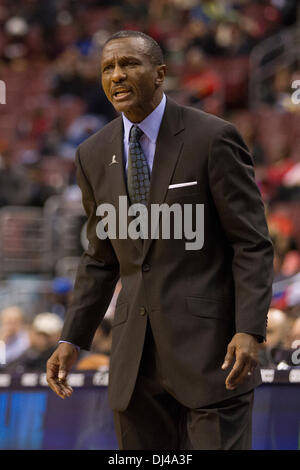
(195, 300)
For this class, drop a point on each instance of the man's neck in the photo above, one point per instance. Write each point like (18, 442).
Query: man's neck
(137, 116)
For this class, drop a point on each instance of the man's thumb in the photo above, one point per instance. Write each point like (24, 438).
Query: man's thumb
(229, 357)
(62, 373)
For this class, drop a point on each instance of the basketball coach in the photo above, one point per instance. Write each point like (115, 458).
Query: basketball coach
(187, 323)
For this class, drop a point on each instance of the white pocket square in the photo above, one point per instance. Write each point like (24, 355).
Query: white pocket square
(181, 185)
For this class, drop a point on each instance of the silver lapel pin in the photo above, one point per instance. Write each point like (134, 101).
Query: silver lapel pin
(113, 160)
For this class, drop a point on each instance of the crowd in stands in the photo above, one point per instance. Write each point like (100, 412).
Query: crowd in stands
(50, 64)
(29, 346)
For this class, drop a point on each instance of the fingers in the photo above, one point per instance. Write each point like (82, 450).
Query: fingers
(229, 356)
(58, 366)
(57, 379)
(243, 348)
(61, 388)
(235, 375)
(53, 381)
(243, 367)
(62, 380)
(62, 373)
(65, 387)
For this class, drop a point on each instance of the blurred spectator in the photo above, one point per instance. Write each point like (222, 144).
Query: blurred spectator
(101, 346)
(292, 177)
(281, 229)
(295, 334)
(103, 337)
(77, 75)
(82, 128)
(247, 126)
(200, 80)
(14, 185)
(273, 352)
(44, 335)
(279, 91)
(277, 328)
(59, 296)
(292, 293)
(43, 184)
(14, 333)
(291, 263)
(100, 351)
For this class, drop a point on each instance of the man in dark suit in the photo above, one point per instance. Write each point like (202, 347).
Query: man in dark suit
(184, 317)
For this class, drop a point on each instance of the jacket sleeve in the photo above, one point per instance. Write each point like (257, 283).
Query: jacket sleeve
(241, 212)
(97, 275)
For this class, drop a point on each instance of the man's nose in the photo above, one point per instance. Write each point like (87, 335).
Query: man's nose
(118, 74)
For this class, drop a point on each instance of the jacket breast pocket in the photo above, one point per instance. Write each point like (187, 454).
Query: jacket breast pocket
(121, 314)
(209, 308)
(183, 192)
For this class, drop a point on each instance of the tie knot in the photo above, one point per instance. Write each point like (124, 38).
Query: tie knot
(135, 134)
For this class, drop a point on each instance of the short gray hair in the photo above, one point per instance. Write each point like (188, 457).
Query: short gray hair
(154, 50)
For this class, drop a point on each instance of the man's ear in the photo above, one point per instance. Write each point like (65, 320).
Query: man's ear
(161, 72)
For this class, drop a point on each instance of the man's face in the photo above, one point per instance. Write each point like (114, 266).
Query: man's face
(129, 78)
(41, 341)
(11, 323)
(277, 328)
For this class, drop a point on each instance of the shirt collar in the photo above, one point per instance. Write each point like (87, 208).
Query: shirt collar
(150, 125)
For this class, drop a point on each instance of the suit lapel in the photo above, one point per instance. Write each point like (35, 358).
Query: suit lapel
(168, 147)
(115, 171)
(116, 175)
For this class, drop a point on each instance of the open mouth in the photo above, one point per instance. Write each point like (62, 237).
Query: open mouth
(121, 94)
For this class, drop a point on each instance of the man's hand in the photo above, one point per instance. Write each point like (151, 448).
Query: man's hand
(244, 348)
(58, 366)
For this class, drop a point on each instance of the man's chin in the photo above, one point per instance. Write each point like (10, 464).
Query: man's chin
(123, 106)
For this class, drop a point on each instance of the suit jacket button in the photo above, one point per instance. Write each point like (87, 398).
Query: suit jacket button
(142, 311)
(146, 267)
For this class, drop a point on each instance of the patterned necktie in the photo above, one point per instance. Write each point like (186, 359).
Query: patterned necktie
(138, 179)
